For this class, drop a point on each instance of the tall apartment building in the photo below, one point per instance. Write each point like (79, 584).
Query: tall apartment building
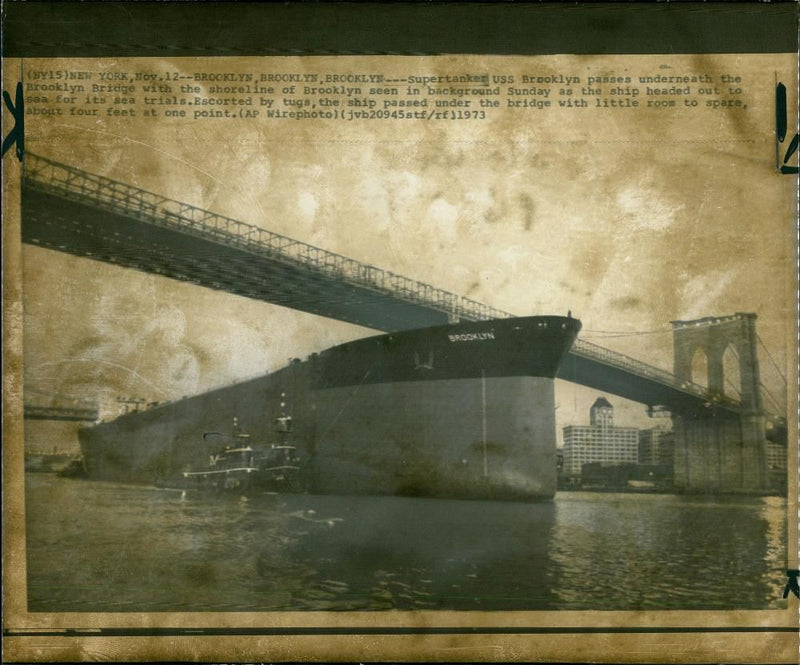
(600, 441)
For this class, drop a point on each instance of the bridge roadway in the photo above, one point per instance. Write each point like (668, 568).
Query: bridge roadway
(73, 211)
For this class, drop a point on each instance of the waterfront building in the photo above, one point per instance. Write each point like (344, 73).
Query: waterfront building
(599, 442)
(776, 457)
(656, 446)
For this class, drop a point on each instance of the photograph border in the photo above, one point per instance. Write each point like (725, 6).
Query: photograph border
(68, 29)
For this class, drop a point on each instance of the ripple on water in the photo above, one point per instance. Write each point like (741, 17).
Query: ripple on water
(108, 547)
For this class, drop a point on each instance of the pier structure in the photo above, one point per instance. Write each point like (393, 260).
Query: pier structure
(727, 451)
(39, 405)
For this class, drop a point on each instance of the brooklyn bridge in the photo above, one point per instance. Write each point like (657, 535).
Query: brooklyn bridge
(720, 435)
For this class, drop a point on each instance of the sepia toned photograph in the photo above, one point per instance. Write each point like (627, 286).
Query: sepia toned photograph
(405, 340)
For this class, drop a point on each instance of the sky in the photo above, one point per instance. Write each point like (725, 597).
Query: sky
(629, 218)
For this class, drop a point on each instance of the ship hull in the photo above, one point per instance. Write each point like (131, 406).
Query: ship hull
(456, 438)
(460, 411)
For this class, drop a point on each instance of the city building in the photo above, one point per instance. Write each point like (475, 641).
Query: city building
(656, 446)
(776, 457)
(599, 442)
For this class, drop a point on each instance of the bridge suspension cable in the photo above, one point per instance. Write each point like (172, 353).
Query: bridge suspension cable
(605, 334)
(733, 388)
(772, 360)
(728, 382)
(780, 407)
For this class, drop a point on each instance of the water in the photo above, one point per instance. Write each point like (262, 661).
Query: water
(105, 547)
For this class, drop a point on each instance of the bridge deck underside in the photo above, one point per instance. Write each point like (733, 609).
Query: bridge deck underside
(69, 226)
(616, 381)
(56, 223)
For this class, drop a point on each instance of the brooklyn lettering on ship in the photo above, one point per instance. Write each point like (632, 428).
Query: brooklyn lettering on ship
(471, 337)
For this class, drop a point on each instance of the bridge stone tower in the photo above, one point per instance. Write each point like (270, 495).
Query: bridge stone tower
(718, 451)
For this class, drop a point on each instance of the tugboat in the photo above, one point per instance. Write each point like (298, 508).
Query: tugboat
(241, 466)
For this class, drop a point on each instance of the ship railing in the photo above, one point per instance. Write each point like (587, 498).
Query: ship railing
(620, 360)
(145, 206)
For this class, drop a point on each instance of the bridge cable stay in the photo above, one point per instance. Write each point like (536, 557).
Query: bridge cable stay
(779, 405)
(781, 408)
(733, 388)
(769, 355)
(730, 383)
(775, 403)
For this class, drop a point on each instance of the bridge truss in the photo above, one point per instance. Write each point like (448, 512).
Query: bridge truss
(89, 215)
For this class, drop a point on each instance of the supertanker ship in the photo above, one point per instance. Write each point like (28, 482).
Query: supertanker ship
(463, 410)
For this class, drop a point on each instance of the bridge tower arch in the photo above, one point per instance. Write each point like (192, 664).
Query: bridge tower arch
(699, 369)
(717, 452)
(714, 334)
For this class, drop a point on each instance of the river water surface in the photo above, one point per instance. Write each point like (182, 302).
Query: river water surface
(105, 547)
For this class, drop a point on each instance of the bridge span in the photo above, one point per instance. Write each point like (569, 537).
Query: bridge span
(84, 214)
(41, 405)
(38, 412)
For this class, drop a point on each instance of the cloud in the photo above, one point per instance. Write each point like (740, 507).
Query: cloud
(307, 205)
(700, 294)
(626, 302)
(645, 207)
(442, 216)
